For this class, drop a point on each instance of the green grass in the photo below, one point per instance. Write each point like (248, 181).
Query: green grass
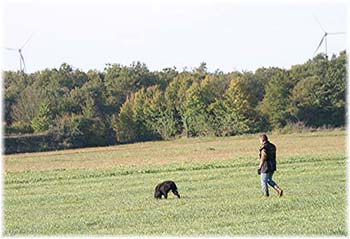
(218, 197)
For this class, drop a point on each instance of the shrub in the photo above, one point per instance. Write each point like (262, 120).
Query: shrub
(19, 128)
(74, 131)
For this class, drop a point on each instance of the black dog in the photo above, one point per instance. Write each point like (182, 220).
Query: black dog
(163, 189)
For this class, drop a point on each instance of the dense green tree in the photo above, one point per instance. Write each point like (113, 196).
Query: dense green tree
(263, 76)
(78, 131)
(121, 81)
(141, 107)
(214, 87)
(93, 99)
(27, 105)
(14, 85)
(276, 103)
(43, 119)
(125, 124)
(336, 89)
(239, 103)
(320, 99)
(158, 118)
(165, 76)
(217, 118)
(175, 97)
(195, 115)
(132, 103)
(307, 101)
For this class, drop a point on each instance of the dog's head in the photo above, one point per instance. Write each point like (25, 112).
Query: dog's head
(157, 194)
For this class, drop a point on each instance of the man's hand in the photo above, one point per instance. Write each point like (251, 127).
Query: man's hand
(259, 171)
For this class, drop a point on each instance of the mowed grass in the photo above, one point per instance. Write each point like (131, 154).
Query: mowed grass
(109, 191)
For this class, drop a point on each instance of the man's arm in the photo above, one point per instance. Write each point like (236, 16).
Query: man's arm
(263, 157)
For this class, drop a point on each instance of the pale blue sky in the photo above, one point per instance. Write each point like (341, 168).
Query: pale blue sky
(229, 35)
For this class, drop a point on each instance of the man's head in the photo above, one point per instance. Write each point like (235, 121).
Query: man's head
(263, 138)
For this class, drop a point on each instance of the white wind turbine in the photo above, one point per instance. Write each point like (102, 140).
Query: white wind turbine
(22, 64)
(324, 38)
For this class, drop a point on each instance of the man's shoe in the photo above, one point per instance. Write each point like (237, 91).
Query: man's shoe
(278, 190)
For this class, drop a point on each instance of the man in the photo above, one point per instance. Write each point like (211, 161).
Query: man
(267, 166)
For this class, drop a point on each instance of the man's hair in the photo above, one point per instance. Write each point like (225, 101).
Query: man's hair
(264, 137)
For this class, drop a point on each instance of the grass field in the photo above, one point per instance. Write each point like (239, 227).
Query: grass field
(109, 191)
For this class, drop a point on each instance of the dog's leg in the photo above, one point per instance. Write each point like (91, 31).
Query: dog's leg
(163, 192)
(176, 193)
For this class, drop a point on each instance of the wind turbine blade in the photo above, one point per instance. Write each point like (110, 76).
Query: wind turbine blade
(319, 23)
(319, 44)
(10, 49)
(27, 41)
(336, 33)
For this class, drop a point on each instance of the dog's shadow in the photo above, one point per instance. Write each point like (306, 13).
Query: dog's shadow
(174, 198)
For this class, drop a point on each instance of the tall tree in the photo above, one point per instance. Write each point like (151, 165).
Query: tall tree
(175, 96)
(27, 105)
(158, 117)
(44, 119)
(240, 105)
(276, 102)
(307, 101)
(195, 115)
(121, 81)
(124, 124)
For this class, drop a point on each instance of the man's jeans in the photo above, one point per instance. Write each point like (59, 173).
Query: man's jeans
(266, 178)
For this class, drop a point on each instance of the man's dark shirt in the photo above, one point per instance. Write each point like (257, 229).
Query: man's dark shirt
(268, 155)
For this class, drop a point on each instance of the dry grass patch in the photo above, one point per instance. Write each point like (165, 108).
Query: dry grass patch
(180, 150)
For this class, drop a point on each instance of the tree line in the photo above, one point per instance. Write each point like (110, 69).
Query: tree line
(124, 104)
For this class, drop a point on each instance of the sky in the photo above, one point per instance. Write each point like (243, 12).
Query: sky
(227, 35)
